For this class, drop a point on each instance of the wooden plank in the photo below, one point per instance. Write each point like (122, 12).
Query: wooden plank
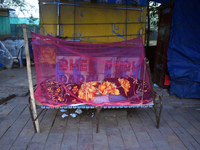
(186, 128)
(78, 134)
(54, 141)
(168, 133)
(30, 80)
(175, 126)
(70, 139)
(12, 133)
(191, 117)
(86, 123)
(85, 142)
(5, 111)
(195, 113)
(154, 133)
(138, 128)
(85, 138)
(73, 122)
(26, 135)
(11, 118)
(164, 128)
(18, 147)
(39, 140)
(100, 139)
(188, 120)
(114, 138)
(60, 124)
(129, 137)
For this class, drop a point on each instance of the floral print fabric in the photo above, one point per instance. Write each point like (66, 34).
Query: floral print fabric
(71, 93)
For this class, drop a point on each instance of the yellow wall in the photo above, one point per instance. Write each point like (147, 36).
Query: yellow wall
(94, 23)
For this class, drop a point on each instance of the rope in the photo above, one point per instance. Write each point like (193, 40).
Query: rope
(143, 80)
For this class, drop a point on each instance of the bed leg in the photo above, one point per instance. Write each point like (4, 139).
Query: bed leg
(97, 118)
(156, 99)
(158, 109)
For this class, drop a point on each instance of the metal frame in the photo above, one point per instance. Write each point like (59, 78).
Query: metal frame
(98, 110)
(156, 105)
(156, 98)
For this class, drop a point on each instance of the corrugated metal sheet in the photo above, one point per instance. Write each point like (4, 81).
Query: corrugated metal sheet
(4, 25)
(88, 22)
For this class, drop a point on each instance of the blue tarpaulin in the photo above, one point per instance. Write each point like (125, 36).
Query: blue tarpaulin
(183, 52)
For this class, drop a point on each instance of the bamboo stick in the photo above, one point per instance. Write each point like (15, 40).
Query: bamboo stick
(30, 81)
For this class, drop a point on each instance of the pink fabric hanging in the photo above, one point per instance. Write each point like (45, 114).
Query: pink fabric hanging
(109, 74)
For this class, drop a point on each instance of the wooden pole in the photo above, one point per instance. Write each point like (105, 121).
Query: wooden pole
(30, 81)
(148, 22)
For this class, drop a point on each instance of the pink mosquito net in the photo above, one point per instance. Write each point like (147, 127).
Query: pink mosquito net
(73, 73)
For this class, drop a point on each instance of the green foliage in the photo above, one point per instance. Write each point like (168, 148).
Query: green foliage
(153, 13)
(21, 6)
(14, 3)
(31, 19)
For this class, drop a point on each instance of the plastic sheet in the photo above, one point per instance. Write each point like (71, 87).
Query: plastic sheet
(5, 56)
(183, 50)
(109, 74)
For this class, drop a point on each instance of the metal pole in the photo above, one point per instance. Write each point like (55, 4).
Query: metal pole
(126, 26)
(58, 19)
(30, 81)
(97, 118)
(74, 18)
